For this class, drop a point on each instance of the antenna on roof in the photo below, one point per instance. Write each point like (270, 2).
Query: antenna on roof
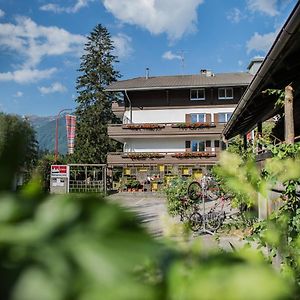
(182, 60)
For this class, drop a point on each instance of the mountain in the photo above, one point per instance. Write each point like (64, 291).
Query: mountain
(45, 132)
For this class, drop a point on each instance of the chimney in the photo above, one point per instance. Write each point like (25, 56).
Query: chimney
(207, 73)
(147, 73)
(255, 64)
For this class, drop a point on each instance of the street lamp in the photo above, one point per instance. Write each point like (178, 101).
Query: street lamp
(56, 132)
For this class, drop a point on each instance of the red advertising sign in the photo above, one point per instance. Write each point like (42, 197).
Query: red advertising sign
(71, 128)
(59, 171)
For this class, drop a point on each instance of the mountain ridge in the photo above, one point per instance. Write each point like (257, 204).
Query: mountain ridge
(45, 128)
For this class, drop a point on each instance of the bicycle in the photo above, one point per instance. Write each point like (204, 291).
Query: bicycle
(206, 187)
(213, 219)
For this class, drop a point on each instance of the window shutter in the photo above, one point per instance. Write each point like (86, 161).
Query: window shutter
(216, 118)
(208, 118)
(208, 146)
(188, 118)
(188, 146)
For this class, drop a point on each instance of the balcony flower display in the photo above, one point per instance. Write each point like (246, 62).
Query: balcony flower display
(149, 126)
(193, 154)
(143, 155)
(195, 125)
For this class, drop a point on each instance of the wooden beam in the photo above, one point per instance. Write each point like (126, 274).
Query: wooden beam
(259, 134)
(245, 141)
(289, 132)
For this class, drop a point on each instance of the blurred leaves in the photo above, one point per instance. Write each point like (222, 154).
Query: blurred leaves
(241, 178)
(84, 247)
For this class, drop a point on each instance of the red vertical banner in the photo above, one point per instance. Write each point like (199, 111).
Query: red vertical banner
(71, 128)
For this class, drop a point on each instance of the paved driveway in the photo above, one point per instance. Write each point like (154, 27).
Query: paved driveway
(152, 212)
(149, 207)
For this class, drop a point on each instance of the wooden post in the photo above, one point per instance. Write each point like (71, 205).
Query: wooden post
(259, 135)
(245, 141)
(289, 133)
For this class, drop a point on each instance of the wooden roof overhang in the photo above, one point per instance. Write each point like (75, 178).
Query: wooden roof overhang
(280, 68)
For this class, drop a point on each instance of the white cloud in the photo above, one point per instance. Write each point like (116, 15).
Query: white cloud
(122, 43)
(261, 43)
(34, 42)
(173, 17)
(235, 15)
(2, 13)
(240, 63)
(79, 4)
(268, 7)
(27, 75)
(18, 94)
(55, 87)
(169, 55)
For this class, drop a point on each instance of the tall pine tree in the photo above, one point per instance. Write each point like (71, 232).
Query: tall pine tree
(94, 104)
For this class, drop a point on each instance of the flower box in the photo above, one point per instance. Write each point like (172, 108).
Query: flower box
(193, 154)
(197, 125)
(143, 155)
(148, 126)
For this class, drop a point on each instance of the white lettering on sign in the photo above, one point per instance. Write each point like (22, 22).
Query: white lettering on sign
(59, 171)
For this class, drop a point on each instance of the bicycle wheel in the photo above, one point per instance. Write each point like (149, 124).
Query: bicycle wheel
(194, 190)
(213, 190)
(214, 221)
(195, 221)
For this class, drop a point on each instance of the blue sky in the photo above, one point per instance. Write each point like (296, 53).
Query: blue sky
(41, 42)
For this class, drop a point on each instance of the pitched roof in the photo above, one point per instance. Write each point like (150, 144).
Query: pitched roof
(181, 81)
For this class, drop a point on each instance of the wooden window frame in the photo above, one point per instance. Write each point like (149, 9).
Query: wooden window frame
(226, 97)
(227, 117)
(197, 114)
(195, 99)
(198, 141)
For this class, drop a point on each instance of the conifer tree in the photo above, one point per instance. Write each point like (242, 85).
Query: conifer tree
(94, 103)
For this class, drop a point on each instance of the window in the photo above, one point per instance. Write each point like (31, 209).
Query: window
(224, 117)
(198, 94)
(198, 118)
(198, 146)
(225, 93)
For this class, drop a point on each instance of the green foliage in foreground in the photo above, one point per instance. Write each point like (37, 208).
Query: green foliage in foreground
(66, 247)
(280, 233)
(83, 247)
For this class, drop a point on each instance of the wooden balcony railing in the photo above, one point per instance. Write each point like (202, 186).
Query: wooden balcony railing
(164, 129)
(209, 157)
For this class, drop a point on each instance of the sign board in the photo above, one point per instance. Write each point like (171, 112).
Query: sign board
(59, 171)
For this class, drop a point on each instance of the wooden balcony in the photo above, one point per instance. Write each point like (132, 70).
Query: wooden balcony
(147, 130)
(165, 158)
(118, 109)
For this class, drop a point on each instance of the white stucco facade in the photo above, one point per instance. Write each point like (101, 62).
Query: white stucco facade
(172, 145)
(171, 115)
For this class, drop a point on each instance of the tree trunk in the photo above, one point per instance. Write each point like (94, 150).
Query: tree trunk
(289, 133)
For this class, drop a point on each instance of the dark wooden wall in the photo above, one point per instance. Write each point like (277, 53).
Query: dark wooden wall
(180, 97)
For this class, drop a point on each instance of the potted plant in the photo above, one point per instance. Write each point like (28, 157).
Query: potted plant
(135, 185)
